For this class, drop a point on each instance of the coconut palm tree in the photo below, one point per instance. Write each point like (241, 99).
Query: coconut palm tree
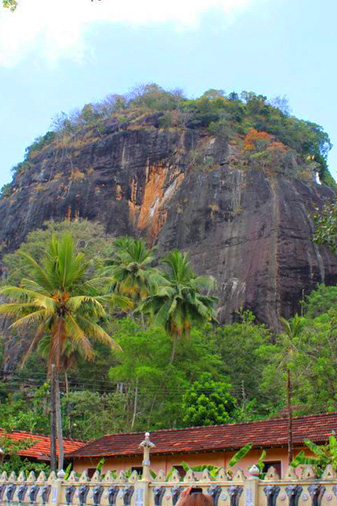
(181, 301)
(59, 299)
(292, 331)
(130, 269)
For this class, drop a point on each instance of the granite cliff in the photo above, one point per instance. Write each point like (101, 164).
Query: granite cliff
(248, 226)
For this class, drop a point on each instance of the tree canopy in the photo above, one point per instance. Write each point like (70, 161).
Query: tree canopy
(219, 373)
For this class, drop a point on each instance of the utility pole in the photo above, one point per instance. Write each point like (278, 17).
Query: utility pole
(59, 426)
(290, 418)
(135, 405)
(243, 397)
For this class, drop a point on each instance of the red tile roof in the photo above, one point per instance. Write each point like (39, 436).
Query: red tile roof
(41, 447)
(264, 433)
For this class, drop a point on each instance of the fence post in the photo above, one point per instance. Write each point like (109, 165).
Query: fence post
(56, 489)
(251, 487)
(142, 487)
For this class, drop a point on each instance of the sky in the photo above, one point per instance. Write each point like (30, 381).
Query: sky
(58, 55)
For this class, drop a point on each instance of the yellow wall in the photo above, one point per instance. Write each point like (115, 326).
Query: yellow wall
(165, 462)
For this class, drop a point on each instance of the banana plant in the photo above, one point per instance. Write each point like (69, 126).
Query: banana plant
(213, 470)
(323, 455)
(242, 453)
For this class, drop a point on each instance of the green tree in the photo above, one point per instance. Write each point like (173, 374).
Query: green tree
(89, 238)
(153, 387)
(12, 460)
(181, 301)
(326, 226)
(208, 402)
(130, 269)
(10, 4)
(283, 358)
(238, 346)
(93, 414)
(316, 364)
(58, 299)
(20, 411)
(320, 301)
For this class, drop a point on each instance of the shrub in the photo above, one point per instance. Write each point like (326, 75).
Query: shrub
(39, 143)
(21, 168)
(6, 191)
(262, 122)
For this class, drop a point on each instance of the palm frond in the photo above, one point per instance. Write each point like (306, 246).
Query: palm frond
(19, 308)
(76, 333)
(39, 273)
(15, 292)
(74, 303)
(38, 334)
(34, 317)
(96, 331)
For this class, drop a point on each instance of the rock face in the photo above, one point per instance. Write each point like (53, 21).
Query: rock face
(248, 228)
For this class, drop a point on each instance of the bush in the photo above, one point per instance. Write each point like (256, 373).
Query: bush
(6, 191)
(39, 143)
(21, 168)
(228, 117)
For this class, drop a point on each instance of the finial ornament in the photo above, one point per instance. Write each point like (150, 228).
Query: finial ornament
(146, 445)
(61, 474)
(254, 471)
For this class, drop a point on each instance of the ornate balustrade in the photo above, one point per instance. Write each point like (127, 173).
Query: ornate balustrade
(107, 490)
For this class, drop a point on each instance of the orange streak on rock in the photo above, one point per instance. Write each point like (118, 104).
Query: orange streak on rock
(153, 194)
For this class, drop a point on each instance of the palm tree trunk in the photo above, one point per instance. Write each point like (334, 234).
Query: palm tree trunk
(53, 455)
(59, 424)
(173, 349)
(290, 418)
(142, 321)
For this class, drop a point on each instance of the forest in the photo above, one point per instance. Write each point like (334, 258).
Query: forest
(156, 357)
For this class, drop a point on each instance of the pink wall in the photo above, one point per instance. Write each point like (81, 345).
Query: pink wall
(165, 462)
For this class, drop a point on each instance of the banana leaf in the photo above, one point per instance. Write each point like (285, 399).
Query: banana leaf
(301, 459)
(317, 450)
(213, 470)
(240, 454)
(260, 463)
(100, 465)
(186, 467)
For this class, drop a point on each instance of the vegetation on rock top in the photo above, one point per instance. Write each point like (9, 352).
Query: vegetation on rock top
(264, 130)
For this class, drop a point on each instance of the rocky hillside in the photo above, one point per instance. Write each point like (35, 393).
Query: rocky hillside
(244, 215)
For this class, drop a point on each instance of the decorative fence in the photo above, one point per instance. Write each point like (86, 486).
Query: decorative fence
(238, 490)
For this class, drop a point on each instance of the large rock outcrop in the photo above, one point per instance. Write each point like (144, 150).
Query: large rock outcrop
(251, 229)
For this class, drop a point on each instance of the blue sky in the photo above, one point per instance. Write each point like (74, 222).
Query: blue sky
(57, 55)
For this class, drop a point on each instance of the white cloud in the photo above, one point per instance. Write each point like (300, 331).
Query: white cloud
(55, 28)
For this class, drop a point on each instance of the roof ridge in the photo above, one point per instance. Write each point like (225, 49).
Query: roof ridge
(180, 429)
(222, 424)
(38, 434)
